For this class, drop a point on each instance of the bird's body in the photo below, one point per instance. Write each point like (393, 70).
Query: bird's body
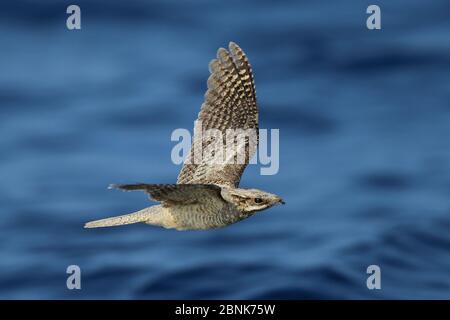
(206, 194)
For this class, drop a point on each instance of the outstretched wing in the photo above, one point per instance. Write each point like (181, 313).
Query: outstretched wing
(230, 103)
(183, 194)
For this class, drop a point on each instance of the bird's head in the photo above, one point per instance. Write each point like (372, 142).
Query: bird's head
(250, 200)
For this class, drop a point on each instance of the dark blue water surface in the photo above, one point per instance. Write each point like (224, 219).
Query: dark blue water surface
(364, 121)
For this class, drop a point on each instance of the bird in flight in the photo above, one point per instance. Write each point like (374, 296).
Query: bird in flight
(207, 194)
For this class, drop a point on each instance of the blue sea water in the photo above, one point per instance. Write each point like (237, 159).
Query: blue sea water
(364, 121)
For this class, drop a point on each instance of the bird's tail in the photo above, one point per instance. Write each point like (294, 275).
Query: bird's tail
(143, 215)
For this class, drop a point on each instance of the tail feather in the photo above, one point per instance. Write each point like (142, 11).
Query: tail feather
(140, 216)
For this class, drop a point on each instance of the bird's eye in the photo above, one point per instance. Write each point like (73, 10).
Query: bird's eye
(258, 200)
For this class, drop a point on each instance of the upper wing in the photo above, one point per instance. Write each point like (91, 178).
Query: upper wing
(230, 103)
(183, 194)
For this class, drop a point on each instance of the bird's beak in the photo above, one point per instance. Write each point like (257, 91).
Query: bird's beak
(281, 201)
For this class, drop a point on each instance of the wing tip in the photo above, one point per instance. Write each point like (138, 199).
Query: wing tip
(126, 187)
(232, 45)
(222, 54)
(114, 186)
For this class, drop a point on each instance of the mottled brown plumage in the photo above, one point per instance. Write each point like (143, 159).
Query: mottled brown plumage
(206, 194)
(230, 103)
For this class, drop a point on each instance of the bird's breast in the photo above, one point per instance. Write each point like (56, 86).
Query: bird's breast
(207, 215)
